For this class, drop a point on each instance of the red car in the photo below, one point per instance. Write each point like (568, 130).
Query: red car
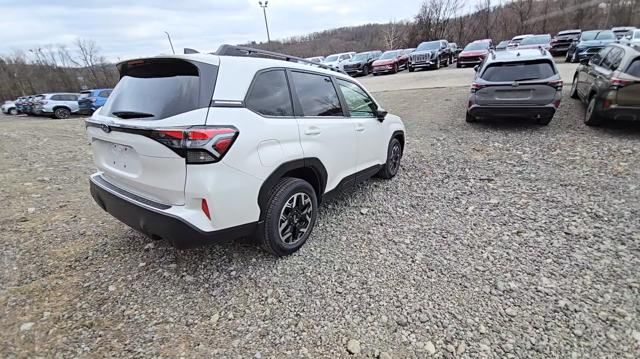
(390, 62)
(474, 53)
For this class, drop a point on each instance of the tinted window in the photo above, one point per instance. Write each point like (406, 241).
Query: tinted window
(535, 40)
(155, 90)
(358, 102)
(85, 94)
(613, 58)
(597, 58)
(316, 94)
(57, 98)
(634, 68)
(606, 35)
(477, 46)
(518, 71)
(104, 93)
(344, 57)
(433, 45)
(71, 97)
(269, 95)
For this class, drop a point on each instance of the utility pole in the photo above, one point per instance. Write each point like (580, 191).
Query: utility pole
(170, 43)
(264, 11)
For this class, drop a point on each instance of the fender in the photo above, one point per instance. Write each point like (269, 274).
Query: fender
(313, 164)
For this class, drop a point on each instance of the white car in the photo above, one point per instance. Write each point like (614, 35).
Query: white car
(337, 61)
(200, 148)
(56, 105)
(631, 38)
(515, 42)
(9, 108)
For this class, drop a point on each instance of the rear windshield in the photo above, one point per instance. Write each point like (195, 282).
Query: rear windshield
(534, 40)
(85, 94)
(477, 46)
(634, 68)
(155, 89)
(518, 71)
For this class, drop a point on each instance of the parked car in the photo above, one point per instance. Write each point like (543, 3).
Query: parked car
(516, 40)
(431, 54)
(589, 43)
(316, 59)
(620, 31)
(536, 41)
(361, 63)
(336, 60)
(455, 50)
(631, 38)
(27, 105)
(473, 54)
(235, 147)
(502, 45)
(9, 108)
(56, 105)
(389, 62)
(20, 103)
(609, 84)
(512, 84)
(561, 42)
(91, 100)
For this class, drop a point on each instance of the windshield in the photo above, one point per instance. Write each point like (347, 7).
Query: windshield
(477, 46)
(597, 35)
(433, 45)
(605, 35)
(331, 58)
(503, 44)
(535, 40)
(518, 71)
(363, 56)
(388, 55)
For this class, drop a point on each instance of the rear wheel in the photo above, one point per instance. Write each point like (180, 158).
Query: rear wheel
(61, 113)
(13, 111)
(411, 69)
(591, 117)
(394, 155)
(470, 118)
(291, 214)
(574, 88)
(544, 121)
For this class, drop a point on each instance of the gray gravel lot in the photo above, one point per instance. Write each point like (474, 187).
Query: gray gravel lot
(499, 239)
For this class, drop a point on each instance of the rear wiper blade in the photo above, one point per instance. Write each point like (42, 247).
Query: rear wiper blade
(131, 114)
(527, 79)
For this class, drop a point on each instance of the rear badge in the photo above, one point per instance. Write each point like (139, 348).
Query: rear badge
(105, 128)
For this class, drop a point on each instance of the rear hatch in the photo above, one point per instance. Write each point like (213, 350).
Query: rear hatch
(522, 83)
(136, 135)
(629, 92)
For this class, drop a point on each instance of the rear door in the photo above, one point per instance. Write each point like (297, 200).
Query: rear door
(326, 132)
(152, 95)
(517, 83)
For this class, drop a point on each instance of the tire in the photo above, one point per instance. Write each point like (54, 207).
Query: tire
(395, 69)
(13, 111)
(292, 206)
(458, 65)
(544, 121)
(567, 58)
(574, 88)
(437, 65)
(365, 71)
(574, 57)
(469, 118)
(411, 69)
(61, 113)
(591, 117)
(394, 155)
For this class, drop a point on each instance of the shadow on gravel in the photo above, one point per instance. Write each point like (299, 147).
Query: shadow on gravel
(509, 124)
(624, 128)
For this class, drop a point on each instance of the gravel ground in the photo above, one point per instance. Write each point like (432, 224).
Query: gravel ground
(500, 239)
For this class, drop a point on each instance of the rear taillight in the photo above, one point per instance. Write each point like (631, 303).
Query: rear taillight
(556, 103)
(198, 144)
(475, 87)
(557, 84)
(617, 83)
(42, 102)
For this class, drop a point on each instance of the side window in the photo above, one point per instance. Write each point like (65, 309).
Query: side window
(316, 94)
(57, 98)
(104, 93)
(358, 102)
(72, 98)
(344, 57)
(269, 95)
(611, 58)
(615, 63)
(597, 58)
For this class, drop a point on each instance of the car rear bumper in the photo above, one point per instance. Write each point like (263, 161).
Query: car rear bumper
(465, 61)
(153, 219)
(533, 112)
(621, 113)
(382, 70)
(559, 50)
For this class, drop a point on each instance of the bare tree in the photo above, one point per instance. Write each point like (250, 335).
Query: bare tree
(391, 35)
(434, 17)
(483, 11)
(522, 9)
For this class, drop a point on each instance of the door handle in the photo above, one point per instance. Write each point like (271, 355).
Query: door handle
(312, 131)
(359, 128)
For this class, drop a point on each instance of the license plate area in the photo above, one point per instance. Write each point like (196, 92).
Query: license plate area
(117, 158)
(513, 94)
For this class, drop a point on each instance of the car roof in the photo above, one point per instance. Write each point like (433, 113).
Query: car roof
(622, 28)
(519, 55)
(568, 31)
(521, 36)
(341, 53)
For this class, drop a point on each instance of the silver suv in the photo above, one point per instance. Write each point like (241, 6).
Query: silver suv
(508, 84)
(57, 105)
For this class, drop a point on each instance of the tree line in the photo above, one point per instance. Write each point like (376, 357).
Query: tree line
(80, 66)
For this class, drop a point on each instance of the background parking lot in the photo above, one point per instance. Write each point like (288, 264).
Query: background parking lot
(497, 239)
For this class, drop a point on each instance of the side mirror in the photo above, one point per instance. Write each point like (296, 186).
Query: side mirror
(381, 114)
(476, 68)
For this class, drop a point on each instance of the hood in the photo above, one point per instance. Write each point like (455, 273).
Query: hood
(354, 62)
(474, 53)
(594, 43)
(384, 62)
(423, 52)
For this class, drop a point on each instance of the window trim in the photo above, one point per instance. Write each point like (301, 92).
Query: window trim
(363, 90)
(252, 85)
(297, 107)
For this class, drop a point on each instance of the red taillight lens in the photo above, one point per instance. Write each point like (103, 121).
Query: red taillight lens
(556, 104)
(557, 84)
(475, 87)
(617, 83)
(198, 144)
(205, 208)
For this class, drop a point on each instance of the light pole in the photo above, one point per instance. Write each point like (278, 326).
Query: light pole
(264, 11)
(170, 43)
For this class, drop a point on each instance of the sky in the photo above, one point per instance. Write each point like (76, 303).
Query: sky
(133, 28)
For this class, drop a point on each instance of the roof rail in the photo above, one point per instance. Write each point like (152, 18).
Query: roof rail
(542, 50)
(231, 50)
(493, 54)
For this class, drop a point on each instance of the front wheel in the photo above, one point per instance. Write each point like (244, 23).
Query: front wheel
(574, 88)
(394, 155)
(567, 57)
(437, 66)
(411, 69)
(365, 71)
(591, 117)
(291, 214)
(13, 112)
(61, 113)
(395, 69)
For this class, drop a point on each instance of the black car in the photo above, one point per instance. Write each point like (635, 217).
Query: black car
(361, 63)
(431, 54)
(562, 41)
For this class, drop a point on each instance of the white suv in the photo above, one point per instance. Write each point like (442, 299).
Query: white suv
(204, 147)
